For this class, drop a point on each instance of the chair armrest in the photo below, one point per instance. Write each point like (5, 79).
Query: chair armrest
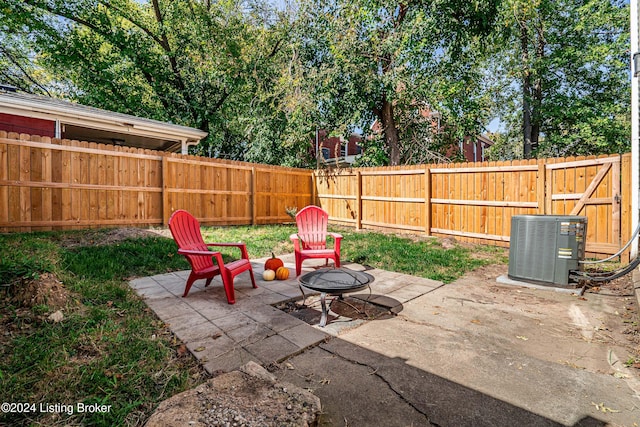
(215, 254)
(337, 238)
(296, 242)
(240, 245)
(192, 252)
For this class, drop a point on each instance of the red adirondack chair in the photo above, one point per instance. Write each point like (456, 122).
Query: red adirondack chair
(311, 239)
(185, 230)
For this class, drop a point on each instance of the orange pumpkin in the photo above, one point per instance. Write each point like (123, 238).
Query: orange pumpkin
(282, 273)
(273, 263)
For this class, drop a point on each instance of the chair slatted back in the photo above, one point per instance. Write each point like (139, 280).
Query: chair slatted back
(185, 230)
(312, 224)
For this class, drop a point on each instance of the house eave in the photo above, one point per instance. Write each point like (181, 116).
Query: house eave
(68, 113)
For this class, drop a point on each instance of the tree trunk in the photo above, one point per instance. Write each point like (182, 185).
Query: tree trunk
(526, 117)
(537, 93)
(390, 131)
(386, 113)
(526, 93)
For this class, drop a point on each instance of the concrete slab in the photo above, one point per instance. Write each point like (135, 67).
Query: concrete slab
(470, 353)
(143, 282)
(384, 286)
(209, 348)
(169, 307)
(407, 293)
(193, 329)
(381, 300)
(274, 348)
(229, 361)
(248, 334)
(545, 352)
(233, 321)
(304, 335)
(506, 280)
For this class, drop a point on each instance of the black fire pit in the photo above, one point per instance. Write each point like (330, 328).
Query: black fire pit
(334, 281)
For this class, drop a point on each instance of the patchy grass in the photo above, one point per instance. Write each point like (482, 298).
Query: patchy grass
(424, 257)
(260, 240)
(110, 348)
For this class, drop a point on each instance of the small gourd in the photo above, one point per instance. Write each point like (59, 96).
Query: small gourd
(273, 263)
(268, 275)
(282, 273)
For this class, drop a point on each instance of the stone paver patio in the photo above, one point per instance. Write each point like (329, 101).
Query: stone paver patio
(224, 337)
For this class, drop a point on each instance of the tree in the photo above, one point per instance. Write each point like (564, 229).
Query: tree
(565, 64)
(376, 60)
(17, 57)
(209, 65)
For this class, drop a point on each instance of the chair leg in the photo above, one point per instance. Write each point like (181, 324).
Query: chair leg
(337, 260)
(298, 265)
(253, 280)
(190, 280)
(227, 281)
(208, 282)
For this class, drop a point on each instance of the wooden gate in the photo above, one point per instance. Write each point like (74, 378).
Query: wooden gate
(588, 188)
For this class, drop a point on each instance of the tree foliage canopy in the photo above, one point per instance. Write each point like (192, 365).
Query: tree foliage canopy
(211, 65)
(262, 80)
(563, 70)
(392, 64)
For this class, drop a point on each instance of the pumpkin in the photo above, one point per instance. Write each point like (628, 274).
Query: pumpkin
(268, 275)
(273, 263)
(282, 273)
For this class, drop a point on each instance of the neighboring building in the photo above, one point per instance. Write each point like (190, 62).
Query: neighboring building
(474, 151)
(471, 151)
(335, 150)
(55, 118)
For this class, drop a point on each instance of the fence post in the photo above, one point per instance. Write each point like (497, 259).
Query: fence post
(165, 193)
(358, 200)
(427, 200)
(615, 201)
(548, 208)
(626, 206)
(314, 189)
(254, 205)
(541, 186)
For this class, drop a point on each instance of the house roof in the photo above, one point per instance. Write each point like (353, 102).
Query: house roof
(75, 121)
(485, 140)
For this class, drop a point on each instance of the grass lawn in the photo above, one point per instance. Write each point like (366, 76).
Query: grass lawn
(109, 348)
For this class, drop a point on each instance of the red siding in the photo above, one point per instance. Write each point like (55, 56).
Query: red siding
(334, 145)
(20, 124)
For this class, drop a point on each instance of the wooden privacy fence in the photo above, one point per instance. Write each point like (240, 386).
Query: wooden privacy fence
(50, 184)
(475, 201)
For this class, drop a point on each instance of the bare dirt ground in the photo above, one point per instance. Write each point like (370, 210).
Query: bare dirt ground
(107, 237)
(604, 317)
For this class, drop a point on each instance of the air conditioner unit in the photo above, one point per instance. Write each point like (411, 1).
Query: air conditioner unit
(544, 249)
